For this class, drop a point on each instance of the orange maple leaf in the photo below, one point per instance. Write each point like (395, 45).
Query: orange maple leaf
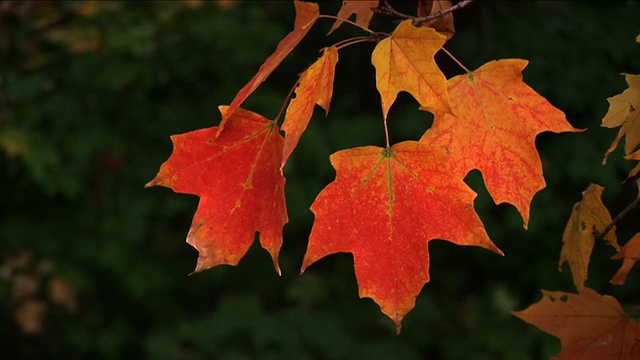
(306, 15)
(315, 87)
(241, 189)
(384, 206)
(577, 241)
(590, 326)
(404, 62)
(624, 111)
(497, 117)
(362, 8)
(630, 253)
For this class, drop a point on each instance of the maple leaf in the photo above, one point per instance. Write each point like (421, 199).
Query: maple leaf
(362, 8)
(315, 87)
(306, 15)
(624, 111)
(241, 189)
(497, 117)
(384, 206)
(577, 241)
(636, 169)
(630, 253)
(404, 62)
(444, 24)
(590, 326)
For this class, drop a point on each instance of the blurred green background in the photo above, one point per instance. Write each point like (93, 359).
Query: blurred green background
(94, 266)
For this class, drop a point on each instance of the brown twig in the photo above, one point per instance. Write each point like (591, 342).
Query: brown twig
(388, 10)
(620, 216)
(439, 14)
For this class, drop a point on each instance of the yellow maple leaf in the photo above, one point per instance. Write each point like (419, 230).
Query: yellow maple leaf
(404, 62)
(577, 241)
(624, 111)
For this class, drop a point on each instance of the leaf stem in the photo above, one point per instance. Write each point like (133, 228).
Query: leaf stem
(352, 41)
(286, 100)
(456, 60)
(345, 41)
(386, 132)
(348, 22)
(620, 216)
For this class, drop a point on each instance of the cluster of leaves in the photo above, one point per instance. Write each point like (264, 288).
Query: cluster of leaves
(89, 91)
(386, 203)
(591, 325)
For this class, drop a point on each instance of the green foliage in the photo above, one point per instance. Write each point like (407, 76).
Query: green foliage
(83, 125)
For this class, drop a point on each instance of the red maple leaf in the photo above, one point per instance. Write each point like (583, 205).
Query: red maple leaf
(241, 189)
(384, 206)
(306, 15)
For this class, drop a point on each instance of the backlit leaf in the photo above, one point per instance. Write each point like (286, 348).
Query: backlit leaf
(444, 24)
(624, 111)
(577, 241)
(497, 118)
(404, 62)
(306, 15)
(384, 206)
(315, 87)
(590, 326)
(362, 8)
(630, 253)
(241, 189)
(636, 169)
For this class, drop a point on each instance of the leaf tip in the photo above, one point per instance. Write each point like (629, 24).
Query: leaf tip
(155, 181)
(305, 264)
(398, 322)
(277, 267)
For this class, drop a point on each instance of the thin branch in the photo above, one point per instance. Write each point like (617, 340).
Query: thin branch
(621, 215)
(388, 10)
(439, 14)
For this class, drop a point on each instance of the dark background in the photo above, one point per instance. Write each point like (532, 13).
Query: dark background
(92, 265)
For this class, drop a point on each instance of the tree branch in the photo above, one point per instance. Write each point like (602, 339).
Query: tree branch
(620, 216)
(388, 10)
(439, 14)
